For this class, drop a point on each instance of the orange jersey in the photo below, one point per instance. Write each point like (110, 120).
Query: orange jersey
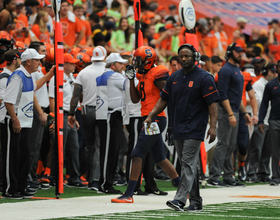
(247, 78)
(206, 44)
(43, 37)
(149, 91)
(87, 31)
(22, 21)
(70, 29)
(223, 39)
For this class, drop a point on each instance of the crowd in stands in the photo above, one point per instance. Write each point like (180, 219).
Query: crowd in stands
(95, 27)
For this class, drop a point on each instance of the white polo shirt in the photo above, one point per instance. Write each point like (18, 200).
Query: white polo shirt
(42, 93)
(13, 91)
(68, 88)
(258, 87)
(3, 82)
(87, 79)
(115, 89)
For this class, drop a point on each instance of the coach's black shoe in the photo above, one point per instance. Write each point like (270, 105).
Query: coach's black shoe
(192, 208)
(176, 205)
(252, 179)
(217, 183)
(233, 183)
(157, 192)
(94, 185)
(26, 195)
(274, 182)
(264, 179)
(110, 190)
(11, 196)
(139, 192)
(32, 191)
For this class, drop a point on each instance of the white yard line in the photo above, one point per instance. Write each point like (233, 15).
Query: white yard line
(98, 205)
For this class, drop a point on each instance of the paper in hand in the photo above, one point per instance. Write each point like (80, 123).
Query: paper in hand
(152, 130)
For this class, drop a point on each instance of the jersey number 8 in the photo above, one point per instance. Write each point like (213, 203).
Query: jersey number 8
(143, 94)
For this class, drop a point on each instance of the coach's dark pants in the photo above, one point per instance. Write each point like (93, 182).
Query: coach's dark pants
(110, 131)
(16, 157)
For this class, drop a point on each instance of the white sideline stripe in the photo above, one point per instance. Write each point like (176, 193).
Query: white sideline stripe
(99, 205)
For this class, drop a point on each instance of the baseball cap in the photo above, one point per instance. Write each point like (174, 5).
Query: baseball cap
(172, 7)
(161, 8)
(169, 26)
(270, 66)
(68, 58)
(109, 25)
(30, 54)
(115, 57)
(101, 3)
(99, 53)
(241, 19)
(257, 60)
(235, 47)
(203, 22)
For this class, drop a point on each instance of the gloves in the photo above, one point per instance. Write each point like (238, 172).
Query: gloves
(130, 72)
(169, 137)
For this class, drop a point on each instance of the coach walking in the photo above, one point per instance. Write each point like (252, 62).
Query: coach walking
(191, 95)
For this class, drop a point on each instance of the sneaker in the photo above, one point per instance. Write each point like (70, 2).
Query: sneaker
(274, 182)
(233, 183)
(78, 184)
(139, 192)
(123, 199)
(252, 179)
(192, 208)
(242, 174)
(32, 191)
(45, 186)
(217, 183)
(33, 185)
(110, 190)
(121, 182)
(83, 179)
(157, 192)
(176, 205)
(93, 185)
(11, 196)
(264, 179)
(45, 179)
(26, 195)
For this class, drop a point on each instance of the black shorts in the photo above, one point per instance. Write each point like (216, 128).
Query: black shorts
(153, 143)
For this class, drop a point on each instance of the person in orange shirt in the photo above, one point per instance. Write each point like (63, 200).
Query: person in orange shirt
(21, 32)
(40, 27)
(206, 41)
(219, 36)
(86, 40)
(274, 39)
(71, 26)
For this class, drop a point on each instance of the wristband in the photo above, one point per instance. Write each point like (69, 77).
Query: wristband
(71, 114)
(230, 115)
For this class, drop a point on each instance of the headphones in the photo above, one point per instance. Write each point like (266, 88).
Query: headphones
(196, 54)
(267, 67)
(229, 50)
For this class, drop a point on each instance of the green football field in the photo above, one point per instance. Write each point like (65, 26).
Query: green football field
(250, 211)
(255, 201)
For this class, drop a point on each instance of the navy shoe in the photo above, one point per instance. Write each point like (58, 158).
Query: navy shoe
(93, 185)
(176, 205)
(192, 208)
(156, 192)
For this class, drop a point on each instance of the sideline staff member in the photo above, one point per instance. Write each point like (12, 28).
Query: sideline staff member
(191, 95)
